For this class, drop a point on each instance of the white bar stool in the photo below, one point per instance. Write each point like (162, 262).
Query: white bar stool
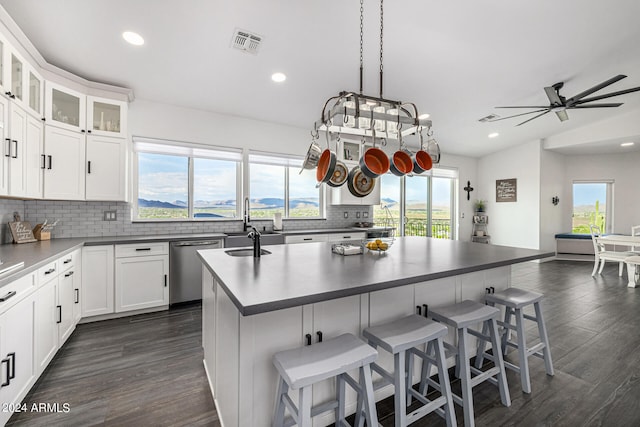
(515, 300)
(461, 316)
(302, 367)
(400, 338)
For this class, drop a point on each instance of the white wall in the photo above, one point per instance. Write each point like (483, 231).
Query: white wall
(553, 219)
(624, 169)
(515, 223)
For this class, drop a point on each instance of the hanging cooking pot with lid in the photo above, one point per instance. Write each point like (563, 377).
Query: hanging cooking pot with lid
(340, 175)
(374, 162)
(359, 184)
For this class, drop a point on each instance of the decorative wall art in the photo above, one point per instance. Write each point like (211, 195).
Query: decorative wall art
(507, 190)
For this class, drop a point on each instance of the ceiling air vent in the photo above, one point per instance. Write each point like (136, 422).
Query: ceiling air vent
(489, 118)
(245, 41)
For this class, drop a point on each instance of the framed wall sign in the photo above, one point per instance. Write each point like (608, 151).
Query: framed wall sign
(507, 190)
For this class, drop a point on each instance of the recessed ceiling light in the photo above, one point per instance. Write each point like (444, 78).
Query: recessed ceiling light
(133, 38)
(424, 116)
(278, 77)
(627, 144)
(493, 135)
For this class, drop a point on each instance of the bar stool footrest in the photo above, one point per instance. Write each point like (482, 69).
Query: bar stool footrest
(484, 376)
(429, 407)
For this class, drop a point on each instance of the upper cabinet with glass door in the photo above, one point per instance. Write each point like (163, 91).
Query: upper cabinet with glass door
(106, 117)
(35, 92)
(65, 108)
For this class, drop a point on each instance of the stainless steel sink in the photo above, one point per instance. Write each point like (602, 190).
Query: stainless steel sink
(238, 240)
(245, 252)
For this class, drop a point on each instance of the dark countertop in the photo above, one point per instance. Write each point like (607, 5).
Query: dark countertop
(295, 275)
(36, 254)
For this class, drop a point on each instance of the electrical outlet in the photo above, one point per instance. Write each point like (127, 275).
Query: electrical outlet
(346, 214)
(357, 214)
(110, 216)
(462, 215)
(365, 214)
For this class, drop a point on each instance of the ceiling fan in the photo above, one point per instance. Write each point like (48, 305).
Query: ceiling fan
(559, 104)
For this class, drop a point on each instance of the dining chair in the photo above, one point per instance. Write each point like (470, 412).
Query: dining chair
(635, 231)
(602, 254)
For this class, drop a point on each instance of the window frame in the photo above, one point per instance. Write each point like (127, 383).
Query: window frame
(178, 146)
(287, 161)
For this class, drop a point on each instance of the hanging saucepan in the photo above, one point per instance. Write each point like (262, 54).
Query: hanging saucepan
(422, 161)
(326, 164)
(340, 175)
(359, 184)
(434, 150)
(374, 162)
(401, 161)
(312, 157)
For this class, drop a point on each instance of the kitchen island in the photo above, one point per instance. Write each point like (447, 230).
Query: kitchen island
(300, 294)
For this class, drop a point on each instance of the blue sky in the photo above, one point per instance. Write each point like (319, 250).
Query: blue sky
(588, 193)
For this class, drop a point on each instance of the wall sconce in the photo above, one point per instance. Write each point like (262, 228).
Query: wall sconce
(555, 200)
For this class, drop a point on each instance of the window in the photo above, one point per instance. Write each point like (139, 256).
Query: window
(425, 203)
(277, 186)
(592, 206)
(185, 181)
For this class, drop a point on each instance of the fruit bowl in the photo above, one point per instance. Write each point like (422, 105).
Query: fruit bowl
(379, 245)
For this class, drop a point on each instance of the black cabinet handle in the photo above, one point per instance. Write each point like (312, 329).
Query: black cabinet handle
(8, 93)
(15, 155)
(77, 300)
(69, 274)
(418, 310)
(346, 237)
(7, 371)
(319, 334)
(89, 166)
(165, 280)
(49, 271)
(426, 310)
(59, 307)
(12, 363)
(50, 161)
(9, 141)
(308, 238)
(12, 96)
(43, 119)
(82, 130)
(44, 161)
(308, 337)
(89, 131)
(142, 249)
(67, 261)
(7, 296)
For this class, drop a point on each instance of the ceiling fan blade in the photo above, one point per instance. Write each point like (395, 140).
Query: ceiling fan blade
(598, 105)
(608, 95)
(525, 106)
(596, 88)
(562, 115)
(517, 115)
(534, 117)
(553, 96)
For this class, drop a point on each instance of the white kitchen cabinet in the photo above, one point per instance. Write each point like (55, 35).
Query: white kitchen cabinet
(66, 298)
(346, 236)
(106, 168)
(209, 325)
(97, 296)
(142, 277)
(35, 92)
(64, 174)
(46, 327)
(4, 71)
(17, 373)
(65, 108)
(306, 238)
(15, 150)
(106, 117)
(5, 141)
(342, 196)
(34, 158)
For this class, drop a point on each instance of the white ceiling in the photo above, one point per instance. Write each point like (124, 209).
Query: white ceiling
(455, 59)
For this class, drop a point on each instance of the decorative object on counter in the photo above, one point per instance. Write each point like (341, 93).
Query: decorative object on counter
(364, 224)
(355, 114)
(382, 244)
(21, 230)
(507, 190)
(468, 189)
(347, 249)
(43, 231)
(277, 221)
(555, 200)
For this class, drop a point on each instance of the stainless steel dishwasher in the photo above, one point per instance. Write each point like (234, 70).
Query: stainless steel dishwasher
(186, 269)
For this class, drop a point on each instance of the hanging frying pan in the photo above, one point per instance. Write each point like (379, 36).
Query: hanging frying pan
(340, 175)
(359, 184)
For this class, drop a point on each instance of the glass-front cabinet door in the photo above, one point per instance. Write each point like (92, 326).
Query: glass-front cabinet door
(3, 49)
(17, 77)
(106, 117)
(35, 87)
(65, 107)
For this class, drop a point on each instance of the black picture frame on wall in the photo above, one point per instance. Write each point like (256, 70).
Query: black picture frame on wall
(507, 190)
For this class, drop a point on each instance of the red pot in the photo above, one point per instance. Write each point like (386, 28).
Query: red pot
(374, 162)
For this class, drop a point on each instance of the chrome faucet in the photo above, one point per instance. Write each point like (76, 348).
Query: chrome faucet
(246, 217)
(255, 235)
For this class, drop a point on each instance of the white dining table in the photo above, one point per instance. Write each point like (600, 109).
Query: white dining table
(629, 241)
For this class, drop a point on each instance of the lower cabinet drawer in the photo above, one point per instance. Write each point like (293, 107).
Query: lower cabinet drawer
(48, 272)
(12, 293)
(306, 238)
(142, 249)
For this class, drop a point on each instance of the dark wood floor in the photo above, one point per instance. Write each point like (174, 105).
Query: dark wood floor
(147, 370)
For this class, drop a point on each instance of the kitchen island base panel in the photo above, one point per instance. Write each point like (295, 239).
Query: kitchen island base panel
(244, 379)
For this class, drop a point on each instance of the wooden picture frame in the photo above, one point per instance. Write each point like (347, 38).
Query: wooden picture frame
(507, 190)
